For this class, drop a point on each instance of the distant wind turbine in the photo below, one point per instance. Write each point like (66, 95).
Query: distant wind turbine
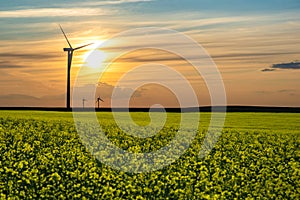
(70, 55)
(98, 101)
(83, 100)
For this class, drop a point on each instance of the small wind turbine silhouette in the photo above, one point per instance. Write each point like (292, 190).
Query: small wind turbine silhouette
(98, 101)
(70, 55)
(83, 100)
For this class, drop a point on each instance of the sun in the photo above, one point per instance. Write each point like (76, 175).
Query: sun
(101, 55)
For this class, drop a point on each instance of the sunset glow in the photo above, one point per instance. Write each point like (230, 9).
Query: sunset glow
(245, 39)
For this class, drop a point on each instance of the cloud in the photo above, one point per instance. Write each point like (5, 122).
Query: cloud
(18, 100)
(27, 61)
(54, 12)
(159, 56)
(17, 56)
(262, 92)
(259, 54)
(289, 92)
(18, 97)
(286, 91)
(23, 100)
(291, 65)
(105, 90)
(9, 66)
(59, 97)
(115, 2)
(144, 96)
(162, 56)
(268, 70)
(13, 81)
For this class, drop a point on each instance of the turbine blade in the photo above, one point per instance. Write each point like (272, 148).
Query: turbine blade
(83, 46)
(65, 36)
(99, 99)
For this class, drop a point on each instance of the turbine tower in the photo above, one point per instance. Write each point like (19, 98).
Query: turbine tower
(70, 51)
(98, 101)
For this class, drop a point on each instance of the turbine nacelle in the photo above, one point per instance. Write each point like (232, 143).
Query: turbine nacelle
(68, 49)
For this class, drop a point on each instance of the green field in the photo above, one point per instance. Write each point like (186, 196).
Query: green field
(257, 156)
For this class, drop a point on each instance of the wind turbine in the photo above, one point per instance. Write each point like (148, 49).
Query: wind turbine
(98, 101)
(70, 51)
(83, 100)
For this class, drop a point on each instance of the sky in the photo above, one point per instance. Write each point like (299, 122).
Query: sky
(254, 44)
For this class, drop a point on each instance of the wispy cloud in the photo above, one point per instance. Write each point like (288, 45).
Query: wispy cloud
(28, 55)
(115, 2)
(55, 12)
(82, 9)
(286, 90)
(291, 65)
(252, 54)
(11, 66)
(29, 100)
(289, 92)
(267, 70)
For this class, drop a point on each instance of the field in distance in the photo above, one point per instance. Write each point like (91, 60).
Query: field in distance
(247, 121)
(257, 156)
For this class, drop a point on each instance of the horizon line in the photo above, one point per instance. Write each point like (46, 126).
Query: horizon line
(230, 108)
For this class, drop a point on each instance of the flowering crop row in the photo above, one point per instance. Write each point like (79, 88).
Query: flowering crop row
(45, 159)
